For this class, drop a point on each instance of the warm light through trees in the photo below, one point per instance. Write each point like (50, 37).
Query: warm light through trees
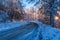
(43, 10)
(56, 18)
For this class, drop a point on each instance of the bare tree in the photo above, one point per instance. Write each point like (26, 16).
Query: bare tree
(48, 6)
(16, 10)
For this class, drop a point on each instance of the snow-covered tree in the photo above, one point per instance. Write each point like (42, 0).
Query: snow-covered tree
(49, 10)
(13, 8)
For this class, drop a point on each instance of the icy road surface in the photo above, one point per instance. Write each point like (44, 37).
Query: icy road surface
(33, 30)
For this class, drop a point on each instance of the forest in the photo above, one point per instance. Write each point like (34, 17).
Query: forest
(29, 19)
(45, 11)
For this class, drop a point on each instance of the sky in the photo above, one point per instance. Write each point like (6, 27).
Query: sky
(27, 4)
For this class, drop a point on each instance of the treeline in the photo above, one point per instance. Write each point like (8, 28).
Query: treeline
(12, 13)
(49, 8)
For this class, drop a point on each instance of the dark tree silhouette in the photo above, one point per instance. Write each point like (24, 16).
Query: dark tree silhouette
(2, 7)
(16, 11)
(48, 7)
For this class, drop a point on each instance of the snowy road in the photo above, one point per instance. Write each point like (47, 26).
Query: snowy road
(28, 31)
(10, 32)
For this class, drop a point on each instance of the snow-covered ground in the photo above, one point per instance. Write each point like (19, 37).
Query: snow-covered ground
(27, 31)
(9, 25)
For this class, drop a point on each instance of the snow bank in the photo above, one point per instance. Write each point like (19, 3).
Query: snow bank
(9, 25)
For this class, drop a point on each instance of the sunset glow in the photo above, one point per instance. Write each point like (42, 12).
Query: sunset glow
(56, 18)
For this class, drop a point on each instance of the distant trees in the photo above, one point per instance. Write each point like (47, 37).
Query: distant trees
(14, 14)
(3, 14)
(2, 7)
(14, 10)
(48, 9)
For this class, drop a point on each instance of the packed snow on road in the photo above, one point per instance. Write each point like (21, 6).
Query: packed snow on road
(33, 30)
